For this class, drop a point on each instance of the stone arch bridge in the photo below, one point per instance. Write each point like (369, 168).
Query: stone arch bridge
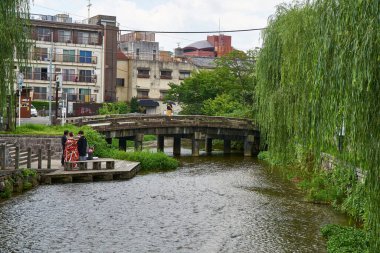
(198, 128)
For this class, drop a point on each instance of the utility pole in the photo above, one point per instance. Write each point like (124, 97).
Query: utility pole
(89, 6)
(20, 81)
(51, 74)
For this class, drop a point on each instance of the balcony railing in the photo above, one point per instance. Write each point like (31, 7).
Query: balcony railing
(71, 97)
(44, 76)
(65, 58)
(88, 40)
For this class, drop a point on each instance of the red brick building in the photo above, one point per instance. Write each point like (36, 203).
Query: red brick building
(214, 46)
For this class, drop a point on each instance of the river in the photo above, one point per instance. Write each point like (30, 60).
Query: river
(210, 204)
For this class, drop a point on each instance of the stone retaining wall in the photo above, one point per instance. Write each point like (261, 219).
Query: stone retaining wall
(329, 162)
(36, 142)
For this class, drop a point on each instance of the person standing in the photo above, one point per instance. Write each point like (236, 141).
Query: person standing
(169, 109)
(63, 142)
(82, 146)
(71, 151)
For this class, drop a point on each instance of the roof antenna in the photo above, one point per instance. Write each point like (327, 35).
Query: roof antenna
(89, 6)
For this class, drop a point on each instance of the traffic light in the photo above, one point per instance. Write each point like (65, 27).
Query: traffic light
(58, 81)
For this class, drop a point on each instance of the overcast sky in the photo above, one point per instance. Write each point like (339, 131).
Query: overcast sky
(174, 15)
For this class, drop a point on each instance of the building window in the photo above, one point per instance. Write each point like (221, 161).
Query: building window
(69, 75)
(137, 53)
(64, 36)
(83, 37)
(41, 74)
(154, 55)
(85, 56)
(166, 74)
(70, 94)
(143, 73)
(68, 55)
(163, 94)
(120, 82)
(184, 74)
(27, 71)
(85, 76)
(43, 34)
(85, 95)
(40, 54)
(40, 93)
(142, 94)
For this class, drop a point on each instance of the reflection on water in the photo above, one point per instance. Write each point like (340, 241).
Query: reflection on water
(210, 204)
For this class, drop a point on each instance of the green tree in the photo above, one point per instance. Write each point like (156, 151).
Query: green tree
(193, 91)
(225, 105)
(318, 72)
(14, 18)
(233, 75)
(134, 104)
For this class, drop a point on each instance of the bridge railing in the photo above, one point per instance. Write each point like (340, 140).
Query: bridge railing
(132, 121)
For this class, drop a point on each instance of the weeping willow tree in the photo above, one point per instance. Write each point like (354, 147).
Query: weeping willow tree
(319, 75)
(13, 49)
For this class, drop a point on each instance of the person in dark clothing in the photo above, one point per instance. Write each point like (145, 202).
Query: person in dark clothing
(82, 146)
(63, 142)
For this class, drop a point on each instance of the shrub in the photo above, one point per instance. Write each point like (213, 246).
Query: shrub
(345, 239)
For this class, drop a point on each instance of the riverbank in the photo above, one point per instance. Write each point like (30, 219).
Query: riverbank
(336, 184)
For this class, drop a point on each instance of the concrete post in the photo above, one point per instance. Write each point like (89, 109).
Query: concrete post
(195, 143)
(160, 143)
(227, 146)
(208, 146)
(177, 145)
(139, 142)
(248, 145)
(123, 143)
(49, 157)
(2, 157)
(17, 157)
(29, 158)
(39, 158)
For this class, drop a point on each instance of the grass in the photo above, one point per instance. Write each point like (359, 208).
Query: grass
(148, 161)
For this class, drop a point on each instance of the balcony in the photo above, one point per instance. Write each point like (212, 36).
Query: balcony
(71, 97)
(65, 58)
(77, 78)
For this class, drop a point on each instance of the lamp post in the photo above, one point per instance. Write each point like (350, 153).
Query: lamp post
(20, 81)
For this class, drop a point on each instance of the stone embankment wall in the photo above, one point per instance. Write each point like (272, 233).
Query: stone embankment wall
(36, 142)
(329, 162)
(12, 182)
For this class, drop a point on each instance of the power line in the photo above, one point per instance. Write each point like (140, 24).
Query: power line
(222, 31)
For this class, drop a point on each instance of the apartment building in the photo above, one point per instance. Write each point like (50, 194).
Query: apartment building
(144, 71)
(82, 54)
(149, 80)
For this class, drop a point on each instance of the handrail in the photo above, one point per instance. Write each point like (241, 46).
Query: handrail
(147, 121)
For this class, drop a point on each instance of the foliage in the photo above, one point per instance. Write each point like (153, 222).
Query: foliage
(28, 173)
(134, 104)
(225, 105)
(232, 81)
(194, 90)
(317, 74)
(114, 108)
(13, 36)
(345, 239)
(8, 189)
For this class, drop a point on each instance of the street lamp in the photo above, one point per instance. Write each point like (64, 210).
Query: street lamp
(20, 81)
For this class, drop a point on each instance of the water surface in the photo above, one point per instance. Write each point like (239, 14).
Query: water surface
(210, 204)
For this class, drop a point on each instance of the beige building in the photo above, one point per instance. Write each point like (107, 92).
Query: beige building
(145, 72)
(80, 54)
(148, 81)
